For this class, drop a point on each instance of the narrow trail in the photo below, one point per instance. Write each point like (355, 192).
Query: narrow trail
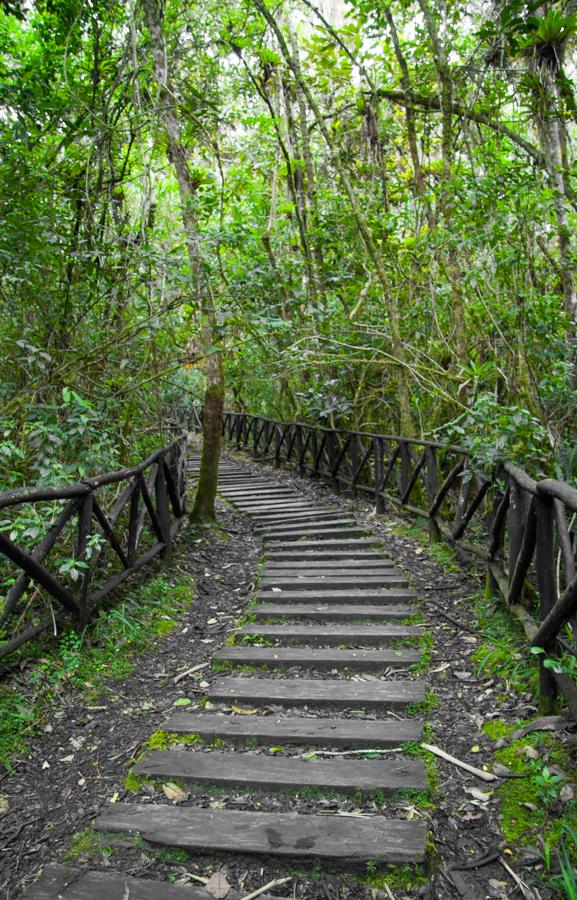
(330, 609)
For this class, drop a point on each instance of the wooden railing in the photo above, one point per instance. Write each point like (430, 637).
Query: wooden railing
(93, 550)
(517, 526)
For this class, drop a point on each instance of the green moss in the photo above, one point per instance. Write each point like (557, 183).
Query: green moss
(87, 843)
(430, 702)
(529, 807)
(395, 878)
(164, 627)
(134, 782)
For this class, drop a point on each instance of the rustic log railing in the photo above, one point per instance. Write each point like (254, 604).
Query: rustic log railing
(517, 526)
(145, 507)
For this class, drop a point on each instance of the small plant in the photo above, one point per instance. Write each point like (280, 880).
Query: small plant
(547, 784)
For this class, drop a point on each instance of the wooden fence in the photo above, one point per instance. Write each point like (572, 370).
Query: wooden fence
(93, 550)
(523, 530)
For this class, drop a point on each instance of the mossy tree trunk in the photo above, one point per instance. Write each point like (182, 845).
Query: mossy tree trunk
(204, 505)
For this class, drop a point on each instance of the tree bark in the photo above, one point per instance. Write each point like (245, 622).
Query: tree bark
(204, 504)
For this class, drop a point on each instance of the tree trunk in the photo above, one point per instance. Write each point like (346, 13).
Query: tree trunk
(214, 393)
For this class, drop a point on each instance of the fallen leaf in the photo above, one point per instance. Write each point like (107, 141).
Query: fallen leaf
(244, 712)
(567, 793)
(174, 793)
(218, 886)
(4, 805)
(531, 752)
(182, 701)
(479, 795)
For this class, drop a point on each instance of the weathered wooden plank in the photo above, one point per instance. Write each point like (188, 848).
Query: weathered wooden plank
(331, 544)
(302, 553)
(335, 635)
(315, 658)
(327, 570)
(342, 839)
(336, 582)
(311, 515)
(323, 732)
(63, 883)
(346, 531)
(357, 597)
(301, 691)
(313, 564)
(327, 611)
(305, 526)
(226, 769)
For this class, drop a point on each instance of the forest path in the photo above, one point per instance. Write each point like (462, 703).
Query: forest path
(317, 702)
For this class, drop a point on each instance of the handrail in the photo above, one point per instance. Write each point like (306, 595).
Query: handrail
(512, 522)
(105, 546)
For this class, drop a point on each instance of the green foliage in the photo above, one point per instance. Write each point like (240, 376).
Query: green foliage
(90, 660)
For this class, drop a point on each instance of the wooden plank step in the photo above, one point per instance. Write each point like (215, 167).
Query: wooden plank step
(311, 565)
(225, 769)
(338, 838)
(332, 544)
(303, 553)
(304, 527)
(327, 570)
(346, 531)
(330, 634)
(254, 493)
(64, 883)
(277, 506)
(274, 730)
(312, 515)
(315, 658)
(356, 597)
(307, 692)
(339, 612)
(336, 581)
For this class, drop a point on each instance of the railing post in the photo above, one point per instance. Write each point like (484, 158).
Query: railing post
(405, 469)
(516, 516)
(277, 446)
(379, 474)
(84, 523)
(545, 561)
(162, 511)
(432, 482)
(355, 456)
(299, 444)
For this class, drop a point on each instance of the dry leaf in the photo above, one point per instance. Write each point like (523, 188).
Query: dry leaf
(218, 886)
(4, 805)
(244, 712)
(174, 793)
(479, 795)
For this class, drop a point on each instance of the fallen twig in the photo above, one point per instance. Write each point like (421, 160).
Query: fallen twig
(527, 892)
(190, 672)
(480, 773)
(274, 883)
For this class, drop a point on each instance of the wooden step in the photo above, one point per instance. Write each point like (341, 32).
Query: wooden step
(65, 883)
(329, 544)
(254, 494)
(380, 564)
(296, 518)
(306, 692)
(304, 526)
(342, 839)
(369, 596)
(277, 506)
(334, 582)
(326, 571)
(315, 658)
(255, 770)
(334, 635)
(347, 532)
(302, 553)
(327, 611)
(274, 730)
